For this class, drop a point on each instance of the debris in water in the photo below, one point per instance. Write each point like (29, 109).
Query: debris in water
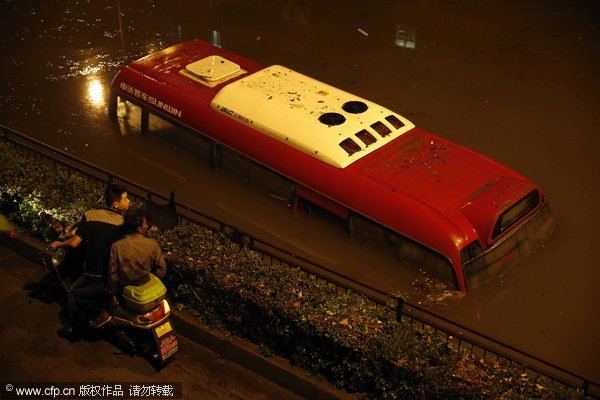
(363, 32)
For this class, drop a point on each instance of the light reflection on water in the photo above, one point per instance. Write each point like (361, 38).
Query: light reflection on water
(76, 68)
(406, 37)
(95, 92)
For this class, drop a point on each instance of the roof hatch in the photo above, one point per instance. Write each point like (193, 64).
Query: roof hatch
(212, 70)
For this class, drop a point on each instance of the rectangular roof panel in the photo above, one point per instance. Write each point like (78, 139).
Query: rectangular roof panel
(309, 115)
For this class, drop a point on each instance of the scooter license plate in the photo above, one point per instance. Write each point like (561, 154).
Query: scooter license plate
(163, 329)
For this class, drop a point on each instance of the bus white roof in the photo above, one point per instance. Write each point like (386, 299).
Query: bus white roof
(309, 115)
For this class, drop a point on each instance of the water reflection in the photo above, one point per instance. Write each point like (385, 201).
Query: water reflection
(406, 36)
(216, 38)
(95, 92)
(120, 19)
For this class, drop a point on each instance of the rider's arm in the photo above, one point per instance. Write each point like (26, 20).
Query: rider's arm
(160, 265)
(79, 234)
(72, 242)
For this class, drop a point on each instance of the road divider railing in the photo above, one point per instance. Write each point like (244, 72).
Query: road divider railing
(459, 337)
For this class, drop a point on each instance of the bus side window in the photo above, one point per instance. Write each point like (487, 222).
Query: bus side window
(369, 231)
(255, 174)
(128, 112)
(234, 163)
(271, 182)
(427, 260)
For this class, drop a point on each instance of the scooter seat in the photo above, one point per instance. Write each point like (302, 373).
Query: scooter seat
(146, 296)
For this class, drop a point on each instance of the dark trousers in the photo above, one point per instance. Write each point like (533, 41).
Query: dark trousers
(71, 268)
(89, 297)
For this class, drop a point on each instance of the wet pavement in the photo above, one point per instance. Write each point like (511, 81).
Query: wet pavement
(516, 82)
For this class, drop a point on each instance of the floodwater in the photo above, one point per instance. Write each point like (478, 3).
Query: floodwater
(516, 81)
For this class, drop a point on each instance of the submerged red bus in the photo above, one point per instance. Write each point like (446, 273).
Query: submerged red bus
(451, 211)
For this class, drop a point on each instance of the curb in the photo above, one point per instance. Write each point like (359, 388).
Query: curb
(246, 354)
(275, 369)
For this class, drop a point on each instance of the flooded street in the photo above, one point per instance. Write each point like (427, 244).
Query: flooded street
(519, 83)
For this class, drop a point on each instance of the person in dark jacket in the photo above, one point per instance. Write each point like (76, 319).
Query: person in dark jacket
(97, 230)
(134, 256)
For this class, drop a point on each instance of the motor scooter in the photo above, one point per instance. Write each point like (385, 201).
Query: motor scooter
(140, 322)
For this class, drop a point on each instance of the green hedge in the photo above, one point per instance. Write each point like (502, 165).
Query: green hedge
(34, 193)
(359, 348)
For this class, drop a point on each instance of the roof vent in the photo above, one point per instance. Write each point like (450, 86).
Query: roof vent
(332, 119)
(213, 68)
(355, 107)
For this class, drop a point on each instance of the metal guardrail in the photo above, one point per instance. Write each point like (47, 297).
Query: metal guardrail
(459, 337)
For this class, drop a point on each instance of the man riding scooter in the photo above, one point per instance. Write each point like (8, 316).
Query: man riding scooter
(97, 230)
(140, 319)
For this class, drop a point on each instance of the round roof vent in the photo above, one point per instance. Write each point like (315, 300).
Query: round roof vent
(355, 107)
(332, 119)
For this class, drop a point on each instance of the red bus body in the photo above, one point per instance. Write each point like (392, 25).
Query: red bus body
(435, 193)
